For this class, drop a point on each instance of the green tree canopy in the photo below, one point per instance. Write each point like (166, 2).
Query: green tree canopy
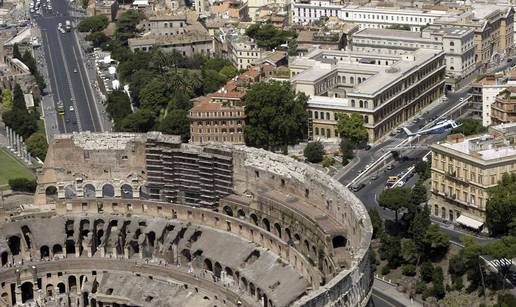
(502, 249)
(228, 71)
(139, 121)
(395, 199)
(118, 106)
(155, 95)
(16, 52)
(409, 250)
(390, 250)
(126, 26)
(470, 126)
(346, 148)
(314, 152)
(21, 121)
(376, 221)
(18, 98)
(37, 145)
(176, 122)
(435, 241)
(267, 36)
(351, 127)
(422, 168)
(419, 193)
(501, 205)
(7, 100)
(419, 225)
(93, 24)
(97, 38)
(276, 115)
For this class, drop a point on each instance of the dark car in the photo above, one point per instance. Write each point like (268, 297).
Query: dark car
(357, 187)
(367, 147)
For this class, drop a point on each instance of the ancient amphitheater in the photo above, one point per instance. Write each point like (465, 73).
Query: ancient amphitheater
(143, 220)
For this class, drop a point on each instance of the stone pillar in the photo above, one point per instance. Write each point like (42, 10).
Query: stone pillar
(8, 135)
(34, 272)
(126, 252)
(78, 250)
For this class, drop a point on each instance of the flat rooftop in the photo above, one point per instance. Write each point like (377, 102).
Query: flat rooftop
(482, 147)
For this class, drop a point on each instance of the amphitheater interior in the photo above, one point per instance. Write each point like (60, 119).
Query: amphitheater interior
(124, 219)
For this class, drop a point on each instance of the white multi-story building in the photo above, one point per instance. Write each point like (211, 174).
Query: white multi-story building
(243, 51)
(457, 43)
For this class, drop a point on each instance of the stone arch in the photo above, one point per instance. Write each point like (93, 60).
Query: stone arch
(61, 287)
(243, 283)
(241, 214)
(288, 233)
(297, 238)
(26, 235)
(27, 291)
(108, 191)
(44, 251)
(57, 249)
(229, 273)
(277, 227)
(208, 265)
(126, 191)
(217, 269)
(266, 224)
(14, 244)
(252, 289)
(339, 241)
(89, 191)
(228, 210)
(254, 218)
(49, 290)
(70, 247)
(70, 192)
(51, 194)
(72, 283)
(185, 255)
(5, 257)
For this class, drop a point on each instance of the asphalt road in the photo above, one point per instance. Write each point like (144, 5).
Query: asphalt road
(68, 81)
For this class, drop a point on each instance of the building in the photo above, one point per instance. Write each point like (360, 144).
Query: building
(325, 39)
(237, 224)
(108, 8)
(386, 90)
(243, 51)
(503, 110)
(463, 169)
(220, 116)
(457, 43)
(230, 10)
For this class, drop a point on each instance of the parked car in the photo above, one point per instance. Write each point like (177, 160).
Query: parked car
(389, 167)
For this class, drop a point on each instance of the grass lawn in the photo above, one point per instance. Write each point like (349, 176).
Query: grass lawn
(11, 168)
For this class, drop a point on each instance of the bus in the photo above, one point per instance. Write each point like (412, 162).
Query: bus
(60, 108)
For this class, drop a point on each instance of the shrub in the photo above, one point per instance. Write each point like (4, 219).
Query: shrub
(427, 293)
(426, 271)
(23, 184)
(420, 287)
(457, 282)
(328, 161)
(386, 270)
(408, 269)
(314, 152)
(505, 300)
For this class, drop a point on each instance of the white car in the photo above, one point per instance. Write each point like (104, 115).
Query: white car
(71, 109)
(75, 70)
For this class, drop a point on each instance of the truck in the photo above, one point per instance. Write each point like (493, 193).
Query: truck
(68, 26)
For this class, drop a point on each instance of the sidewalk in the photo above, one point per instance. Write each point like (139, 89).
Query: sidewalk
(390, 291)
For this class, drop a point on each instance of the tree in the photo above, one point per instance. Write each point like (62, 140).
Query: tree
(408, 250)
(155, 95)
(37, 145)
(97, 38)
(390, 250)
(501, 205)
(118, 107)
(16, 52)
(212, 81)
(18, 98)
(438, 283)
(314, 152)
(126, 26)
(435, 241)
(351, 127)
(276, 115)
(228, 71)
(422, 168)
(470, 126)
(7, 100)
(140, 121)
(418, 227)
(346, 148)
(395, 199)
(474, 265)
(426, 271)
(456, 265)
(93, 24)
(267, 36)
(21, 121)
(419, 194)
(376, 221)
(176, 122)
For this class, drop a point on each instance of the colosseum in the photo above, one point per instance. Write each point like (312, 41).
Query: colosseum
(122, 219)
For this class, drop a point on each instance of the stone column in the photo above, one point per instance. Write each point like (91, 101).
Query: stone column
(7, 134)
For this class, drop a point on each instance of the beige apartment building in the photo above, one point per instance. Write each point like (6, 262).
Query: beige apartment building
(463, 169)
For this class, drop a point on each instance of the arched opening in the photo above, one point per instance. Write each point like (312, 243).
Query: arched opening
(254, 218)
(61, 287)
(217, 269)
(207, 265)
(70, 247)
(89, 191)
(338, 241)
(228, 210)
(289, 235)
(135, 248)
(229, 273)
(252, 289)
(26, 235)
(243, 284)
(278, 229)
(5, 258)
(49, 289)
(186, 257)
(51, 194)
(297, 238)
(70, 192)
(27, 291)
(126, 191)
(266, 224)
(57, 249)
(14, 245)
(108, 191)
(72, 283)
(241, 214)
(44, 252)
